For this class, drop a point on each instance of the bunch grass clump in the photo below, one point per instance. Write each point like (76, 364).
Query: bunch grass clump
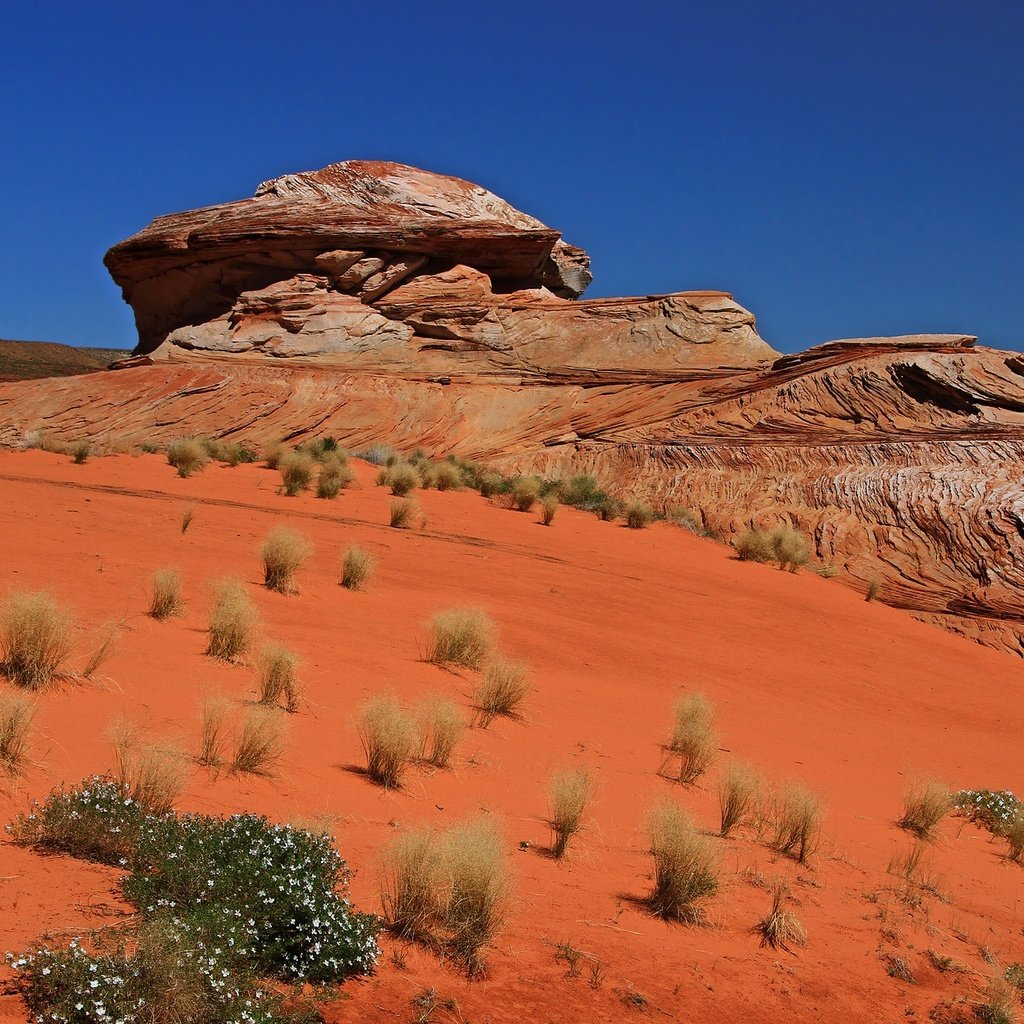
(638, 515)
(797, 822)
(284, 552)
(739, 795)
(569, 794)
(333, 477)
(524, 493)
(780, 928)
(104, 649)
(925, 804)
(212, 717)
(80, 453)
(156, 777)
(233, 622)
(784, 545)
(296, 471)
(693, 742)
(500, 691)
(16, 713)
(276, 677)
(411, 884)
(187, 455)
(402, 478)
(548, 508)
(440, 726)
(35, 639)
(357, 568)
(388, 736)
(165, 600)
(1015, 838)
(405, 514)
(685, 866)
(462, 637)
(261, 742)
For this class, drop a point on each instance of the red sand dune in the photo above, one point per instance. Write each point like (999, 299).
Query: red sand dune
(810, 683)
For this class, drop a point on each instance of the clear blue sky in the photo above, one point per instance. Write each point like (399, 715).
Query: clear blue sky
(843, 169)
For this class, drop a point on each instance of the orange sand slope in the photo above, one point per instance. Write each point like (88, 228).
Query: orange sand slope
(810, 683)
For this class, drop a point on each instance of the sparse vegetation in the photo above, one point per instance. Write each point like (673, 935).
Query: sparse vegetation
(1015, 838)
(405, 514)
(389, 740)
(569, 793)
(784, 545)
(500, 692)
(103, 650)
(872, 591)
(548, 508)
(187, 456)
(276, 677)
(156, 777)
(402, 478)
(273, 454)
(638, 515)
(797, 821)
(296, 471)
(80, 453)
(524, 494)
(261, 741)
(490, 484)
(165, 600)
(611, 509)
(460, 636)
(357, 568)
(334, 475)
(739, 793)
(16, 714)
(924, 806)
(35, 639)
(685, 866)
(283, 552)
(780, 928)
(212, 736)
(186, 519)
(412, 884)
(441, 726)
(999, 1003)
(233, 622)
(693, 741)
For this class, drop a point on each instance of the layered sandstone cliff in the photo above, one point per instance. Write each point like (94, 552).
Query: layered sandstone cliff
(376, 302)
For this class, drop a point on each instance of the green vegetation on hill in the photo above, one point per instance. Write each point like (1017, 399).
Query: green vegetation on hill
(30, 360)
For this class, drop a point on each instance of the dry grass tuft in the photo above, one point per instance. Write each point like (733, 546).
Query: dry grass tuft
(753, 546)
(638, 515)
(187, 456)
(569, 793)
(284, 552)
(1014, 836)
(924, 806)
(440, 727)
(524, 493)
(405, 514)
(780, 928)
(477, 892)
(445, 477)
(276, 679)
(80, 452)
(797, 820)
(212, 736)
(739, 796)
(548, 508)
(402, 478)
(357, 568)
(156, 777)
(35, 639)
(389, 740)
(685, 866)
(165, 601)
(233, 622)
(693, 739)
(872, 591)
(333, 477)
(261, 741)
(412, 884)
(186, 519)
(16, 714)
(460, 636)
(500, 692)
(789, 548)
(296, 471)
(103, 650)
(999, 1002)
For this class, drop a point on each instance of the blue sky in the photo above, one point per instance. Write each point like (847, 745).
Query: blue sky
(844, 169)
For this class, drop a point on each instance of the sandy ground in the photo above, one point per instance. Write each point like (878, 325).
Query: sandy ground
(810, 683)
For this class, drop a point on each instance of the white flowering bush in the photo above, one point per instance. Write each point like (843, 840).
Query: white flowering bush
(223, 902)
(993, 809)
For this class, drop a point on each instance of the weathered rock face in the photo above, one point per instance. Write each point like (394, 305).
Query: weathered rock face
(374, 303)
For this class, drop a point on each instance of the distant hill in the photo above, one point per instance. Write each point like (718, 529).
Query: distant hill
(30, 360)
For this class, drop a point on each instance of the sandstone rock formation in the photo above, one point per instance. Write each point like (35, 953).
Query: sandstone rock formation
(375, 302)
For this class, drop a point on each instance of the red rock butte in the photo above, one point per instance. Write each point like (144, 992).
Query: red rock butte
(380, 303)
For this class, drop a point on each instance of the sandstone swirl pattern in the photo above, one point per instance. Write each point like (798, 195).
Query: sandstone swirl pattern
(377, 302)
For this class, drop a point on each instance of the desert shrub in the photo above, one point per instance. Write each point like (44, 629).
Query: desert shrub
(324, 449)
(106, 646)
(440, 727)
(35, 638)
(273, 454)
(80, 452)
(156, 777)
(693, 741)
(582, 492)
(780, 927)
(283, 552)
(548, 508)
(998, 1004)
(150, 447)
(797, 822)
(789, 548)
(490, 484)
(1014, 833)
(16, 714)
(389, 739)
(333, 477)
(212, 448)
(233, 622)
(296, 473)
(405, 514)
(685, 866)
(357, 568)
(445, 477)
(276, 677)
(165, 600)
(524, 493)
(924, 806)
(754, 546)
(411, 883)
(500, 691)
(460, 636)
(992, 809)
(187, 456)
(638, 515)
(402, 478)
(872, 591)
(610, 509)
(212, 737)
(477, 890)
(739, 792)
(234, 455)
(569, 793)
(261, 742)
(377, 454)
